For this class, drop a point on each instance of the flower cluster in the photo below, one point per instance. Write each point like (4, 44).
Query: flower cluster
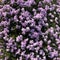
(30, 29)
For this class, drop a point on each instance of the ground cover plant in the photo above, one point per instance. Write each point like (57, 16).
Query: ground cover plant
(29, 29)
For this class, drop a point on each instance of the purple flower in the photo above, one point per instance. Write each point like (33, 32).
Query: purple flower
(19, 38)
(12, 1)
(29, 3)
(30, 29)
(48, 1)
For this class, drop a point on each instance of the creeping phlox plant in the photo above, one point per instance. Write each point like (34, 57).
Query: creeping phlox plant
(30, 29)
